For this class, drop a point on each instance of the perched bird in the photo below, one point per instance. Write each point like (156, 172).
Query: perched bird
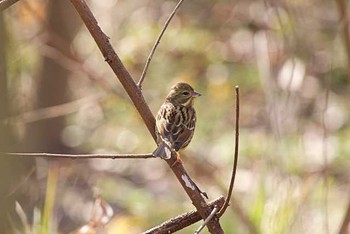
(176, 120)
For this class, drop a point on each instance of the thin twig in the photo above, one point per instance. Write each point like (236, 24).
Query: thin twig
(4, 4)
(228, 198)
(206, 221)
(144, 72)
(84, 156)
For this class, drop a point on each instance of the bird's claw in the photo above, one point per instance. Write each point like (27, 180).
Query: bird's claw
(178, 160)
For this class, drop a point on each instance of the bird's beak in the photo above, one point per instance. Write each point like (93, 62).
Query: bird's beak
(196, 94)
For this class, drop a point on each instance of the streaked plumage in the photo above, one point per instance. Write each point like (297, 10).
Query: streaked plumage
(176, 120)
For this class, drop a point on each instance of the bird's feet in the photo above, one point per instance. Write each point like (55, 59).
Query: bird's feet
(178, 160)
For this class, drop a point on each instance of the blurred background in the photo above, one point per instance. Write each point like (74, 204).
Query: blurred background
(58, 95)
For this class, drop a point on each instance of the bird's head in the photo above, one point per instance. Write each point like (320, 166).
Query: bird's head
(182, 94)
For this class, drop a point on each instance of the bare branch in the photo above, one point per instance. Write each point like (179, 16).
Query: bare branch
(144, 72)
(84, 156)
(137, 98)
(228, 198)
(4, 4)
(206, 221)
(183, 220)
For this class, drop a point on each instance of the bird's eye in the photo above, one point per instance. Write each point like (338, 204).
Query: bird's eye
(185, 93)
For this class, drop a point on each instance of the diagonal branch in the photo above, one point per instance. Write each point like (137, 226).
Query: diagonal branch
(144, 72)
(84, 156)
(228, 198)
(137, 98)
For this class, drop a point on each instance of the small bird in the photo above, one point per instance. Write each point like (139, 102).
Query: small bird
(176, 121)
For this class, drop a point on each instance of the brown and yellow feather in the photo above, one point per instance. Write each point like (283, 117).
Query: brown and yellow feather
(176, 120)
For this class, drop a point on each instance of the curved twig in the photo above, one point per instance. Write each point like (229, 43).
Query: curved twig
(84, 156)
(228, 198)
(144, 72)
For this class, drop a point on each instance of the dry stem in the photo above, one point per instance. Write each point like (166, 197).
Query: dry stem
(228, 198)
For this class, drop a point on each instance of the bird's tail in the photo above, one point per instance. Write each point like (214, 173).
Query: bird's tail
(163, 151)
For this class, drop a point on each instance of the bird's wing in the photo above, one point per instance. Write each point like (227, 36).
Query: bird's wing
(165, 120)
(175, 125)
(185, 134)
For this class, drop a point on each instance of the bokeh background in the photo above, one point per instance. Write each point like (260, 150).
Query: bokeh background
(58, 95)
